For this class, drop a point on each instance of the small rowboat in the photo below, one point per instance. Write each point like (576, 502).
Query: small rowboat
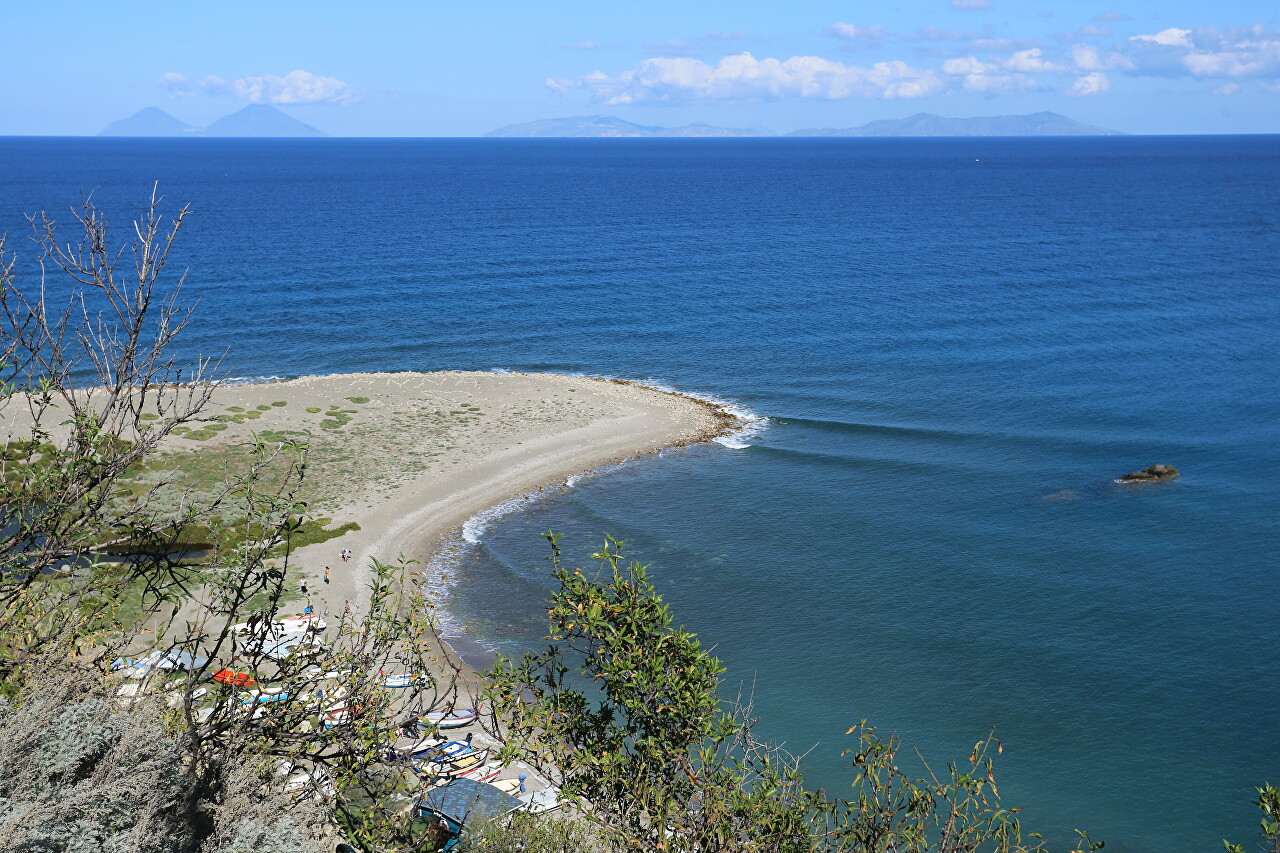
(450, 752)
(404, 679)
(259, 697)
(306, 622)
(473, 762)
(234, 679)
(452, 719)
(480, 773)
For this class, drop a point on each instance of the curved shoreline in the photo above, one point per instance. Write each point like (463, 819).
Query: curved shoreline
(420, 454)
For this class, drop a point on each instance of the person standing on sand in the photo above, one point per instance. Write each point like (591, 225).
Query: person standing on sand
(326, 574)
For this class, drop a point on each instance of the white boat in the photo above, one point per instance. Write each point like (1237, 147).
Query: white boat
(306, 622)
(543, 800)
(404, 679)
(452, 719)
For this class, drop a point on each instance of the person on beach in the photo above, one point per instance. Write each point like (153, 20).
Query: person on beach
(326, 574)
(346, 608)
(304, 588)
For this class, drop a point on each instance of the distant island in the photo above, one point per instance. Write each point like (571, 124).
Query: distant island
(255, 120)
(609, 126)
(920, 124)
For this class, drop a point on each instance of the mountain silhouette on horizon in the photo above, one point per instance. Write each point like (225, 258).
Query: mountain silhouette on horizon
(254, 121)
(609, 126)
(920, 124)
(150, 121)
(928, 124)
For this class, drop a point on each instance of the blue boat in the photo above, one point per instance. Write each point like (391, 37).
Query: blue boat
(463, 803)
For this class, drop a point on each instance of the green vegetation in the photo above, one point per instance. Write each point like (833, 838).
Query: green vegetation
(358, 400)
(315, 410)
(99, 535)
(279, 403)
(336, 418)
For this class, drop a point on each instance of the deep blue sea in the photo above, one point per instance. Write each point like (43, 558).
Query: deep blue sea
(957, 344)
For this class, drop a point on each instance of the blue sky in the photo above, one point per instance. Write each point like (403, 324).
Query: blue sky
(447, 69)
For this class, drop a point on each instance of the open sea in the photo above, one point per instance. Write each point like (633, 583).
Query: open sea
(957, 345)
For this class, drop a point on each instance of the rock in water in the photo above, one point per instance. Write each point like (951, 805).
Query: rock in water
(1150, 475)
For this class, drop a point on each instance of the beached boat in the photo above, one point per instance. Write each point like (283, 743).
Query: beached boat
(417, 747)
(452, 719)
(451, 751)
(480, 773)
(404, 679)
(306, 622)
(464, 801)
(258, 697)
(463, 766)
(233, 679)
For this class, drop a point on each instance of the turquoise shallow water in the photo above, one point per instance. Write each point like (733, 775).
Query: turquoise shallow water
(958, 343)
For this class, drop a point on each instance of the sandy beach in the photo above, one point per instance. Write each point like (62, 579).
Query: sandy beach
(409, 457)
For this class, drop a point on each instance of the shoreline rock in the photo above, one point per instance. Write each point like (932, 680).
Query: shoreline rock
(1153, 474)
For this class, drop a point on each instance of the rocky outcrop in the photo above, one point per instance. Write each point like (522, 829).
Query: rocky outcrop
(1150, 475)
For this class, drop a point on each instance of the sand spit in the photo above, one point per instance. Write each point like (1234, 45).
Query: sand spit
(410, 457)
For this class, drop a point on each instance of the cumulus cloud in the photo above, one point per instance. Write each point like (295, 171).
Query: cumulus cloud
(742, 77)
(1031, 62)
(296, 87)
(970, 5)
(855, 36)
(975, 64)
(1090, 84)
(1171, 36)
(1227, 89)
(985, 78)
(1207, 52)
(1111, 16)
(181, 86)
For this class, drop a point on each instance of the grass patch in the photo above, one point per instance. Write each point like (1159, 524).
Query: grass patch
(148, 416)
(315, 410)
(235, 408)
(337, 418)
(264, 408)
(358, 400)
(279, 403)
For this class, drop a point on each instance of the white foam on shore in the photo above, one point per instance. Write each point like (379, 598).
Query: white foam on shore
(749, 424)
(253, 380)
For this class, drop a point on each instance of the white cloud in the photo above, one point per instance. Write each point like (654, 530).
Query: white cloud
(582, 45)
(1094, 30)
(984, 78)
(1030, 62)
(742, 77)
(1170, 37)
(856, 36)
(1111, 16)
(179, 85)
(1090, 84)
(1085, 57)
(1227, 89)
(296, 87)
(1231, 54)
(970, 5)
